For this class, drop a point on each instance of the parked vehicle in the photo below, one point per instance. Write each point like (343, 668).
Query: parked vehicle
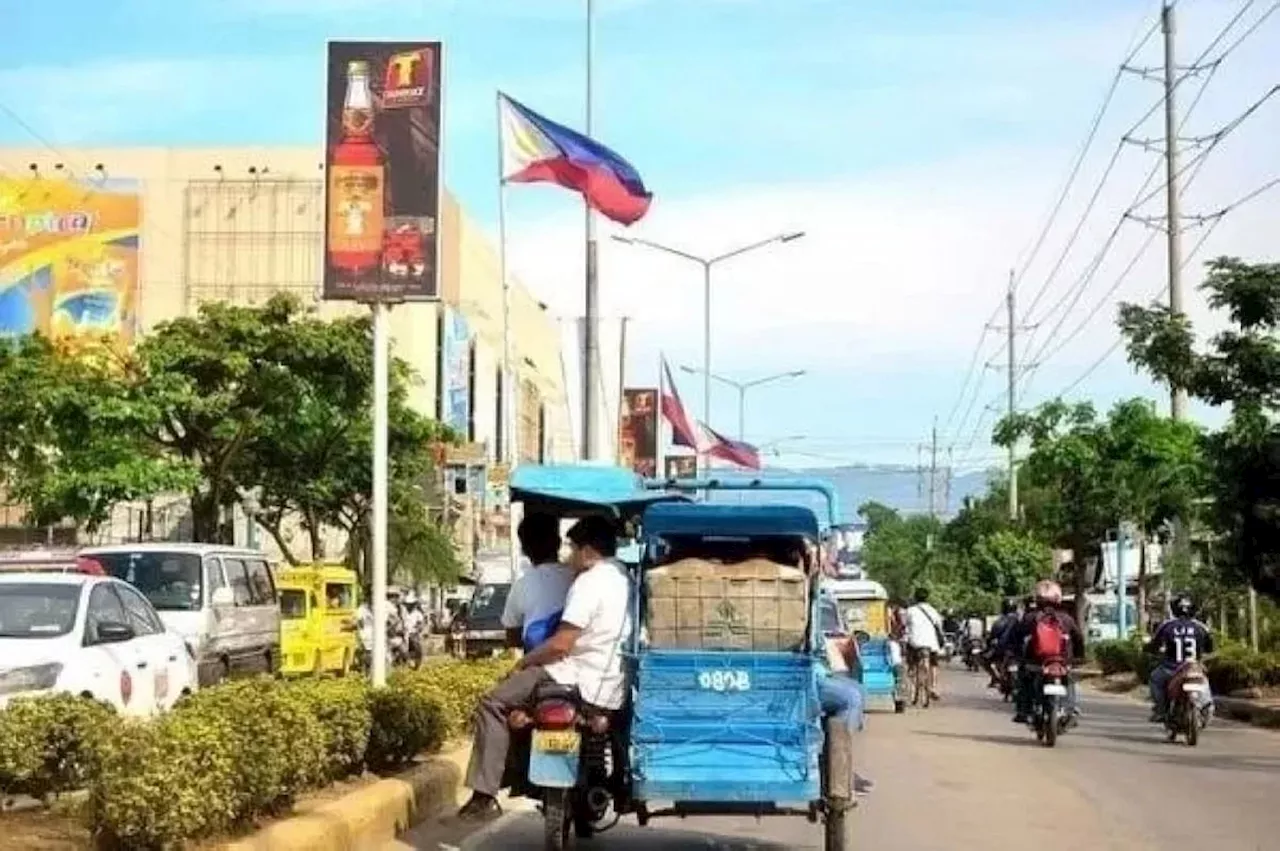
(1049, 717)
(221, 600)
(317, 619)
(482, 633)
(89, 635)
(1189, 705)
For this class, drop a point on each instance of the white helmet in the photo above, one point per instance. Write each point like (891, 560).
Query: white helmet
(411, 598)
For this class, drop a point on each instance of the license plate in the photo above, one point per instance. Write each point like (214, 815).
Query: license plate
(1055, 690)
(556, 741)
(1192, 687)
(724, 680)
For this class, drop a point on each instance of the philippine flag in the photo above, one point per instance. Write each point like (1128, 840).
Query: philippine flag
(733, 451)
(538, 150)
(684, 429)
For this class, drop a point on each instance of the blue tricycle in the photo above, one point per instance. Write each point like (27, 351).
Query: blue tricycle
(725, 717)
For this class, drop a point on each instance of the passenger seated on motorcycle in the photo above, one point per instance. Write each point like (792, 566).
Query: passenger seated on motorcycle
(994, 656)
(1180, 639)
(841, 695)
(536, 601)
(1047, 608)
(585, 651)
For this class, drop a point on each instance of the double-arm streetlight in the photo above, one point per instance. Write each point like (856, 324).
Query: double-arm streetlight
(706, 263)
(742, 387)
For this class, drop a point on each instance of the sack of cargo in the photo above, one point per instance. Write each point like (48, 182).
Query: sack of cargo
(696, 604)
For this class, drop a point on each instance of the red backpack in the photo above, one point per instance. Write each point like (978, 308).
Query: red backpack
(1048, 638)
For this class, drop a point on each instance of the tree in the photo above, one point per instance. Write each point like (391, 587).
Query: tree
(902, 553)
(1009, 562)
(1241, 368)
(72, 435)
(216, 378)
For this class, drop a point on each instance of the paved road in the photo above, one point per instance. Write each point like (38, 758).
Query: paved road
(946, 773)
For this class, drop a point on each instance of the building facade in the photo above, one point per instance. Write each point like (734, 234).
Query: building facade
(124, 239)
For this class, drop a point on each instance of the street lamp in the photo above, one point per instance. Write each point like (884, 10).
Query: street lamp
(706, 263)
(742, 387)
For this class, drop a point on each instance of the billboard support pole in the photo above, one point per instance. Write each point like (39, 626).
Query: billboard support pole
(378, 570)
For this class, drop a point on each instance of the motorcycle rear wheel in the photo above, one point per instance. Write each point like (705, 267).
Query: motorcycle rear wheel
(1191, 718)
(557, 826)
(1051, 722)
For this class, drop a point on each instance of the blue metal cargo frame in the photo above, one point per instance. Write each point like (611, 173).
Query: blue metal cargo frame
(728, 731)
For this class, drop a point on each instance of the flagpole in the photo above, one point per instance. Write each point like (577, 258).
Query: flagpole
(660, 453)
(590, 337)
(509, 432)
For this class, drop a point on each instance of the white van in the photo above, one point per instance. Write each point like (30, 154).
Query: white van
(221, 600)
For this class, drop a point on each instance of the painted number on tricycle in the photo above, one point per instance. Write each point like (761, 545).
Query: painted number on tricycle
(556, 741)
(721, 680)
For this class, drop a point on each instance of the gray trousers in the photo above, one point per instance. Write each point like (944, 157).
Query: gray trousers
(492, 735)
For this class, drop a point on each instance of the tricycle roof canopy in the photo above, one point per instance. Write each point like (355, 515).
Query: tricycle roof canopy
(570, 490)
(746, 521)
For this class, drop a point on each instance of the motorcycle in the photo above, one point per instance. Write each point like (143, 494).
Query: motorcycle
(397, 645)
(1189, 703)
(973, 654)
(1009, 678)
(571, 765)
(1049, 716)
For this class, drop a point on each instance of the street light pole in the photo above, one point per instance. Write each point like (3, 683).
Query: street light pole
(707, 263)
(742, 387)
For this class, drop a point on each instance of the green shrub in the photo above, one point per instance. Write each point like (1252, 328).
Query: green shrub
(1116, 656)
(278, 744)
(342, 708)
(1235, 668)
(50, 744)
(457, 686)
(406, 722)
(164, 782)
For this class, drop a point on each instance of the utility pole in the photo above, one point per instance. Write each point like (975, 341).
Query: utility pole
(946, 490)
(1173, 225)
(1012, 368)
(933, 470)
(590, 337)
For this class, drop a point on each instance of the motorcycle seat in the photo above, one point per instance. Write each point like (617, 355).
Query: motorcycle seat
(556, 691)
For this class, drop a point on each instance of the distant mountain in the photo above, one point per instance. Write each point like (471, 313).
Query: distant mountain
(897, 486)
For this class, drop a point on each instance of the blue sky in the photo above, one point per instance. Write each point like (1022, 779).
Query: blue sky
(918, 145)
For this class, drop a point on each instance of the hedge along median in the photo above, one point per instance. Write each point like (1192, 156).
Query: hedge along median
(230, 756)
(1232, 668)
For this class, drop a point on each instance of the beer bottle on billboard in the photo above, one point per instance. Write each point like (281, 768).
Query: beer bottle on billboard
(356, 183)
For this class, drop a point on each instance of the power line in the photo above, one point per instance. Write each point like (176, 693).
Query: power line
(1078, 162)
(1196, 66)
(1217, 219)
(1042, 354)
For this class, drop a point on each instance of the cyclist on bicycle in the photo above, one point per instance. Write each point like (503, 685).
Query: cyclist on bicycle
(924, 637)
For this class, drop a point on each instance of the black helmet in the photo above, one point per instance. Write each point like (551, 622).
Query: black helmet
(922, 595)
(1182, 607)
(1009, 606)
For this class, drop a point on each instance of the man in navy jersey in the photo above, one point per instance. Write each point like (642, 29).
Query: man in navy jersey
(1180, 639)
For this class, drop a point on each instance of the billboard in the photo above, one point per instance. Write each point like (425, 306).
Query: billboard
(681, 466)
(638, 430)
(455, 369)
(69, 257)
(382, 161)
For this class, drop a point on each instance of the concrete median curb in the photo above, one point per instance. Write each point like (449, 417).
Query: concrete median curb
(369, 817)
(1257, 714)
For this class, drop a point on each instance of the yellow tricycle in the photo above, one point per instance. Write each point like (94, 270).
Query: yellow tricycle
(317, 619)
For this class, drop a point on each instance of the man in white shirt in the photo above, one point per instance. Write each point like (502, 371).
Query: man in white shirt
(585, 651)
(536, 602)
(924, 636)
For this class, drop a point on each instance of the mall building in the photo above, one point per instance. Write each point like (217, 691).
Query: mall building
(240, 224)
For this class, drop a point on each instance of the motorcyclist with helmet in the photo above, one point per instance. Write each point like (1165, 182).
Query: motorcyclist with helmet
(1047, 608)
(994, 656)
(1178, 640)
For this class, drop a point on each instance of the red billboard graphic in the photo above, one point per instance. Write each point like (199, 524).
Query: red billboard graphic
(382, 193)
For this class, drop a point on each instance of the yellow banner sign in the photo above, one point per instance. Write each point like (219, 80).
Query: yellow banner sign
(69, 257)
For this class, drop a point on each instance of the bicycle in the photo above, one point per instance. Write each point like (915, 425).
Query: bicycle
(918, 675)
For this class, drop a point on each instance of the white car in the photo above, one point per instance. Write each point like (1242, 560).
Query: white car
(89, 635)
